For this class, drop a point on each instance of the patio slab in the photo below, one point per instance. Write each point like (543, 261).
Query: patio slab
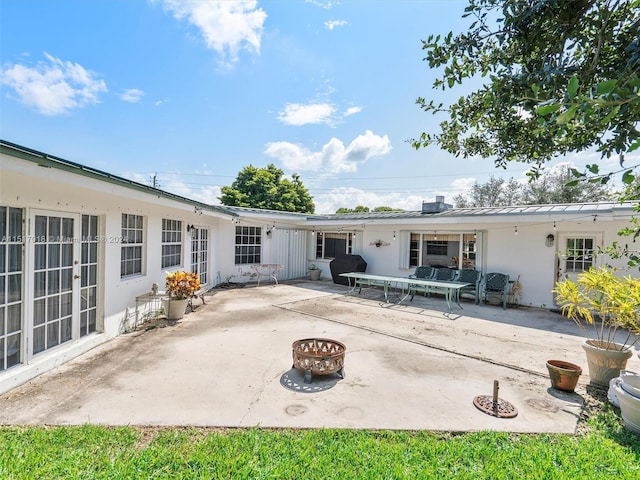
(411, 366)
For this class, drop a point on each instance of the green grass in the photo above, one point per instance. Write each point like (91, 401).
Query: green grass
(602, 449)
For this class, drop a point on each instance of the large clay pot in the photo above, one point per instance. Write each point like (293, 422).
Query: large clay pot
(175, 308)
(563, 375)
(605, 363)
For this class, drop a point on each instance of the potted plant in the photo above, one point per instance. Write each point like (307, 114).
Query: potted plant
(180, 286)
(314, 272)
(610, 304)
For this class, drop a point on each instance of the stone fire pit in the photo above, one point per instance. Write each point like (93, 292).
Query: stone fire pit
(318, 356)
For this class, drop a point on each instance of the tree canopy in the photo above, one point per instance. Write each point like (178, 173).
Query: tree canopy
(553, 186)
(557, 76)
(363, 209)
(265, 188)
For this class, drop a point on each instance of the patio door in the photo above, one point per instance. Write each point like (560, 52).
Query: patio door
(56, 289)
(200, 254)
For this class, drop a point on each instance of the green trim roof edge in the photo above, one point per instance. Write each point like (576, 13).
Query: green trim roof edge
(50, 161)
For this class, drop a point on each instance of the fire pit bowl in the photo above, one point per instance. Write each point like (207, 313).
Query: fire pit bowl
(318, 356)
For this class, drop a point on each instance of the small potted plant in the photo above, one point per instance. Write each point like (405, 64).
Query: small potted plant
(180, 286)
(314, 272)
(610, 304)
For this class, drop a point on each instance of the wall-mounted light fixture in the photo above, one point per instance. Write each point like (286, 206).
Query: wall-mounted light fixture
(549, 240)
(268, 233)
(191, 230)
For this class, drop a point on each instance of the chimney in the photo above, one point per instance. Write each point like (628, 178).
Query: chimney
(435, 207)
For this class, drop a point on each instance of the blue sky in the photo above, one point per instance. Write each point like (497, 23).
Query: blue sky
(194, 90)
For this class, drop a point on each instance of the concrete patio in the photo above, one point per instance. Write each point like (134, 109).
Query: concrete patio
(410, 366)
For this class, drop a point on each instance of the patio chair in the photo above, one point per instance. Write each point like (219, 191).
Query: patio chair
(474, 277)
(443, 274)
(496, 285)
(422, 272)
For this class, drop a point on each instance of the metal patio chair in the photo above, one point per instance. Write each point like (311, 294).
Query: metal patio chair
(474, 277)
(496, 285)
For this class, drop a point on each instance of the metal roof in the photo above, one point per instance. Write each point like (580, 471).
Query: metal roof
(51, 161)
(566, 208)
(592, 208)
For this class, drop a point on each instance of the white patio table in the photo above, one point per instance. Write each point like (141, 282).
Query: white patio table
(450, 289)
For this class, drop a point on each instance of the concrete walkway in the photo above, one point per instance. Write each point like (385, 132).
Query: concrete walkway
(410, 366)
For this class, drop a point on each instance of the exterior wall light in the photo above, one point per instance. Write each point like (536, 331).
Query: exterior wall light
(549, 240)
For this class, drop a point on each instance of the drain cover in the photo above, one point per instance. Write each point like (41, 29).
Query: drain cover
(494, 406)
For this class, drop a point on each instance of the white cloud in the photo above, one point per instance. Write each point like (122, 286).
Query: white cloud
(352, 111)
(331, 24)
(131, 95)
(327, 5)
(350, 197)
(226, 26)
(298, 114)
(54, 87)
(334, 157)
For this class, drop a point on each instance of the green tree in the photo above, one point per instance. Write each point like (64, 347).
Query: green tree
(265, 188)
(558, 76)
(363, 209)
(358, 209)
(494, 193)
(553, 186)
(557, 186)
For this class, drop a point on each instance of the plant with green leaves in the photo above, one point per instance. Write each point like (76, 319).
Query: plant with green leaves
(556, 77)
(608, 303)
(265, 188)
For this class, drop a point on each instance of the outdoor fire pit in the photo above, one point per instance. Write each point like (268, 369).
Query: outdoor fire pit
(318, 356)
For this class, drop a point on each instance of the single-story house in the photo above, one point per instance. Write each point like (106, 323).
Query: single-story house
(79, 246)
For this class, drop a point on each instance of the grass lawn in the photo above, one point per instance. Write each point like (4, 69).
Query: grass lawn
(601, 449)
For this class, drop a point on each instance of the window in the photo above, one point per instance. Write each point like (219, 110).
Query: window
(442, 249)
(437, 247)
(248, 245)
(328, 244)
(132, 244)
(579, 254)
(11, 270)
(171, 243)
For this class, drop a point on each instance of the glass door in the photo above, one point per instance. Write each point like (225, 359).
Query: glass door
(55, 291)
(200, 254)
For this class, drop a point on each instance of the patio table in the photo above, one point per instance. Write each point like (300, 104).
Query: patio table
(450, 289)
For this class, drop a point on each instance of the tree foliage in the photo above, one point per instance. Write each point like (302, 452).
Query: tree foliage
(553, 186)
(558, 76)
(363, 209)
(265, 188)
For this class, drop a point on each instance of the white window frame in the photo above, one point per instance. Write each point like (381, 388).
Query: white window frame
(321, 246)
(412, 249)
(248, 245)
(132, 231)
(12, 299)
(171, 243)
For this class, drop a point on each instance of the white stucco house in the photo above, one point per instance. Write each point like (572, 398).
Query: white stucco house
(78, 245)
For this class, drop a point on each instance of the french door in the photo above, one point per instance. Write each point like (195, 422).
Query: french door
(64, 252)
(200, 254)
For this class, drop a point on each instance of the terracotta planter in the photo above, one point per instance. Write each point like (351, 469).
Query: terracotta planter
(175, 308)
(605, 364)
(563, 375)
